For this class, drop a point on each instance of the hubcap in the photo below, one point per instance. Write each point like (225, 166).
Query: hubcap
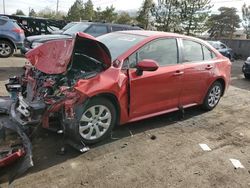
(95, 122)
(214, 96)
(5, 49)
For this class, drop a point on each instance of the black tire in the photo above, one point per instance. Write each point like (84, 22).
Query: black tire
(6, 49)
(229, 57)
(207, 103)
(247, 76)
(96, 102)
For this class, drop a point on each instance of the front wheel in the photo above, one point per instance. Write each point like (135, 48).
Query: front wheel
(213, 96)
(97, 120)
(247, 76)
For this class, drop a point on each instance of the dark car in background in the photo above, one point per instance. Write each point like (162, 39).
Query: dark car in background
(92, 28)
(11, 36)
(246, 68)
(69, 25)
(223, 49)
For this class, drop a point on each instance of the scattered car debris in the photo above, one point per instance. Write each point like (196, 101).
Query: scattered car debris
(236, 163)
(124, 145)
(131, 134)
(153, 137)
(205, 147)
(197, 172)
(112, 137)
(17, 148)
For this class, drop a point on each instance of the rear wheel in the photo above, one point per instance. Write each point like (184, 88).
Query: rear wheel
(213, 96)
(6, 48)
(247, 76)
(97, 120)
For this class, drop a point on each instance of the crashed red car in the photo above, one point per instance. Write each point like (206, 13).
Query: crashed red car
(90, 85)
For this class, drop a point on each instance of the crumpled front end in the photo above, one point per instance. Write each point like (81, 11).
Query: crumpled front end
(45, 94)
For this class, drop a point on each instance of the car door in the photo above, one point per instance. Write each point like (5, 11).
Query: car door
(157, 91)
(197, 72)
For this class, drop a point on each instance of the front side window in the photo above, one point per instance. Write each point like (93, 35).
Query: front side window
(97, 30)
(192, 51)
(163, 51)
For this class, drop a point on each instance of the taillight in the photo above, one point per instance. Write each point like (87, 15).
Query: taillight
(17, 30)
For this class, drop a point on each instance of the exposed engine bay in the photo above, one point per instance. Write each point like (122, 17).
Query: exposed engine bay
(37, 94)
(47, 98)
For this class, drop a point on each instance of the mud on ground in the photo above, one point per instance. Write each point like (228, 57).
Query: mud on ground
(131, 158)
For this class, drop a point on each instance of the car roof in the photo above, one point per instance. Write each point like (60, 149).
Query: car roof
(158, 34)
(7, 19)
(111, 24)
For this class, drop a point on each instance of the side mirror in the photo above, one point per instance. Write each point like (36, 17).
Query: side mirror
(146, 65)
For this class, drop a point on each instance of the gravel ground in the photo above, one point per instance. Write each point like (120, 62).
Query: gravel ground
(131, 158)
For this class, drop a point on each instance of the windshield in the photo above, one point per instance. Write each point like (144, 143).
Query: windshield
(69, 25)
(80, 27)
(118, 43)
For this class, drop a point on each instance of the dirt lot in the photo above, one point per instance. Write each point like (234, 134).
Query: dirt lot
(132, 159)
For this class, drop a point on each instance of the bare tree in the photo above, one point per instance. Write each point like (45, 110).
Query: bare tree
(246, 19)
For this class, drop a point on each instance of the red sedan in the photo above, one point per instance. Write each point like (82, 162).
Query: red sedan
(91, 85)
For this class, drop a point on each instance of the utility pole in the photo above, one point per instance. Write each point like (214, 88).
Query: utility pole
(57, 4)
(4, 6)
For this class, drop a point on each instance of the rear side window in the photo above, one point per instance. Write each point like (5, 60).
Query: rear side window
(207, 53)
(192, 51)
(97, 30)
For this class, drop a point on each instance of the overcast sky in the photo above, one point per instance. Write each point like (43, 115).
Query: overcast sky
(64, 5)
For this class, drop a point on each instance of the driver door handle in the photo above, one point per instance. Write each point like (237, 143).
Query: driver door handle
(178, 73)
(208, 67)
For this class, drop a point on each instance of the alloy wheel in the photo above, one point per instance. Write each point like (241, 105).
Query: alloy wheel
(94, 122)
(214, 96)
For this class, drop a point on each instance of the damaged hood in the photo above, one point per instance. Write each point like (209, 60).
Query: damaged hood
(53, 57)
